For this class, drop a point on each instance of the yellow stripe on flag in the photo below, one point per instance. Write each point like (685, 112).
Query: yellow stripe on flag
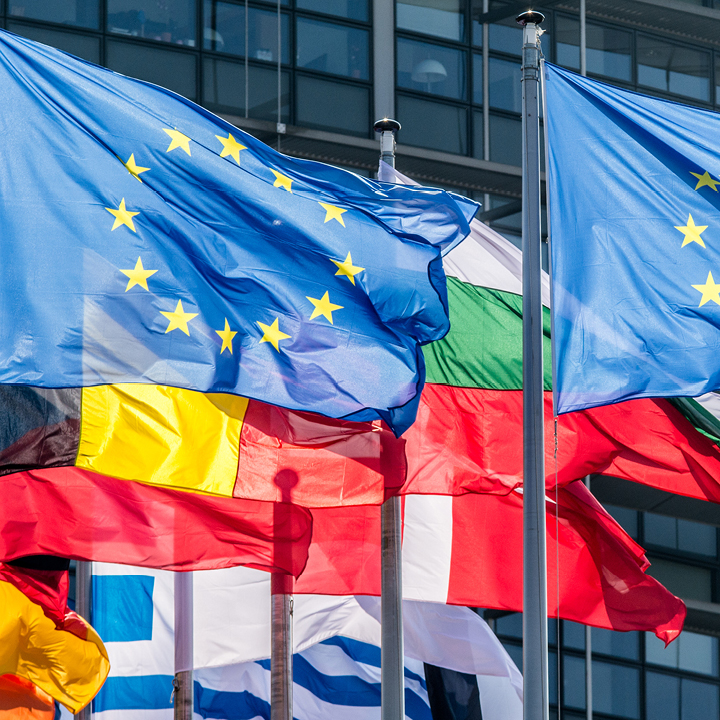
(162, 436)
(67, 668)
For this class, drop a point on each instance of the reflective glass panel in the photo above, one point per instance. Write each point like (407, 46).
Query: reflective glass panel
(431, 68)
(224, 88)
(87, 48)
(685, 581)
(616, 690)
(432, 125)
(505, 88)
(672, 68)
(477, 79)
(69, 12)
(717, 78)
(567, 42)
(441, 18)
(690, 651)
(697, 538)
(509, 625)
(165, 20)
(477, 32)
(478, 135)
(573, 635)
(506, 36)
(353, 9)
(224, 31)
(626, 518)
(619, 644)
(662, 693)
(552, 677)
(335, 49)
(329, 105)
(698, 700)
(660, 530)
(173, 70)
(574, 681)
(505, 140)
(516, 653)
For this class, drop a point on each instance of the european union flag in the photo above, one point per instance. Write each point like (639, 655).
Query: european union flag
(146, 240)
(635, 241)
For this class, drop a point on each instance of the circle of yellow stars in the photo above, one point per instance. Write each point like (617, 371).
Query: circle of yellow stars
(179, 318)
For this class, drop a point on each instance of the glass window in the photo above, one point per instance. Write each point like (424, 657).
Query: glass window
(224, 31)
(335, 49)
(477, 79)
(478, 136)
(505, 140)
(567, 42)
(516, 653)
(660, 530)
(619, 644)
(574, 681)
(165, 20)
(717, 79)
(441, 18)
(505, 88)
(477, 31)
(698, 700)
(87, 48)
(173, 70)
(506, 36)
(552, 677)
(697, 538)
(690, 651)
(616, 690)
(673, 68)
(509, 625)
(688, 582)
(432, 125)
(626, 518)
(353, 9)
(333, 106)
(431, 68)
(573, 633)
(69, 12)
(662, 693)
(224, 87)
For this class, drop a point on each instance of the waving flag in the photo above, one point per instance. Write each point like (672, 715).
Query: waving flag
(154, 243)
(634, 215)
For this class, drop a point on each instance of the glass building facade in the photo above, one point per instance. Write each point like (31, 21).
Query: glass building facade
(311, 76)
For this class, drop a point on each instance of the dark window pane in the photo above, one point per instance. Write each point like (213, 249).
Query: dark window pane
(698, 700)
(697, 538)
(552, 677)
(441, 18)
(685, 581)
(717, 79)
(87, 48)
(432, 125)
(673, 69)
(516, 654)
(224, 31)
(505, 92)
(172, 70)
(620, 644)
(616, 690)
(509, 625)
(333, 106)
(505, 140)
(477, 33)
(224, 88)
(169, 21)
(335, 49)
(698, 653)
(353, 9)
(506, 36)
(574, 681)
(431, 68)
(477, 79)
(478, 136)
(660, 530)
(573, 633)
(70, 12)
(567, 42)
(626, 518)
(663, 696)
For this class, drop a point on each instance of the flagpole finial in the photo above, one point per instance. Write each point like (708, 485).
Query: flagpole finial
(386, 125)
(530, 17)
(386, 128)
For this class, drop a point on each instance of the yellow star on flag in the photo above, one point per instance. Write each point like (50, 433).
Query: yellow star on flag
(231, 147)
(178, 318)
(282, 181)
(323, 307)
(705, 179)
(133, 168)
(178, 140)
(710, 291)
(122, 216)
(272, 334)
(227, 336)
(692, 232)
(138, 275)
(332, 212)
(347, 269)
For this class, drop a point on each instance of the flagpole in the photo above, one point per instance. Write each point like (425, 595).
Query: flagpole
(281, 647)
(183, 681)
(392, 656)
(83, 601)
(535, 641)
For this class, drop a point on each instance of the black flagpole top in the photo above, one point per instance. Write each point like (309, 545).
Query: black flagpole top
(530, 17)
(387, 125)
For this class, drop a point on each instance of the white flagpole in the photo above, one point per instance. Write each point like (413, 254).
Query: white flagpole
(281, 647)
(183, 681)
(392, 656)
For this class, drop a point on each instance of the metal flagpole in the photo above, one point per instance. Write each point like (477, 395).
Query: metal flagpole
(281, 647)
(583, 40)
(392, 656)
(535, 641)
(183, 681)
(83, 601)
(588, 657)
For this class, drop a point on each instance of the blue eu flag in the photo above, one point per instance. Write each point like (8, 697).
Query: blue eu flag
(635, 234)
(145, 240)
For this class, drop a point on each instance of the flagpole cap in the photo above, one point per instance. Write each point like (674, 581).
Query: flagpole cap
(530, 17)
(386, 125)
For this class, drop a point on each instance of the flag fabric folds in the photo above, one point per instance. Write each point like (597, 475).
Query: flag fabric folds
(154, 243)
(633, 212)
(59, 654)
